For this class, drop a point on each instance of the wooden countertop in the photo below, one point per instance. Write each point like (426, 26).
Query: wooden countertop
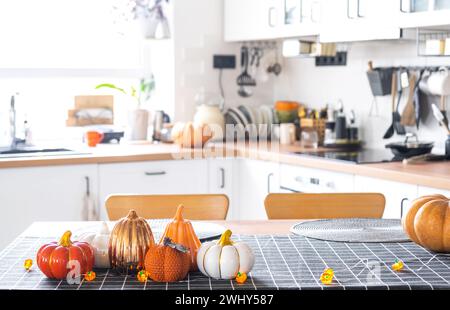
(435, 175)
(262, 227)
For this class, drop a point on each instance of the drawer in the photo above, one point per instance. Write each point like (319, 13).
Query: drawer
(153, 177)
(309, 180)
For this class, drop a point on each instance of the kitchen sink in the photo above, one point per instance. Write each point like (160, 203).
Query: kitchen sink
(34, 151)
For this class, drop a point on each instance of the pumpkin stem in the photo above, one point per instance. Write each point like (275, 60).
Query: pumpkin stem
(225, 238)
(179, 214)
(65, 239)
(168, 242)
(132, 214)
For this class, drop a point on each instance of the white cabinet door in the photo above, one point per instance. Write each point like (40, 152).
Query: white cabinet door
(423, 191)
(397, 194)
(359, 20)
(299, 18)
(222, 180)
(153, 177)
(310, 180)
(246, 20)
(423, 13)
(257, 179)
(42, 194)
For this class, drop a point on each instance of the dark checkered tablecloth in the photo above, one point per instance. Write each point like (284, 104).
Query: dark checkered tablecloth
(282, 262)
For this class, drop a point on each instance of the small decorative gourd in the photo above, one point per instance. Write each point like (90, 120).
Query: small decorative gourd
(167, 262)
(427, 222)
(130, 239)
(189, 135)
(225, 259)
(99, 242)
(182, 232)
(53, 259)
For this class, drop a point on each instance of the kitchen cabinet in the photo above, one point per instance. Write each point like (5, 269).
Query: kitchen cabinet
(222, 179)
(299, 18)
(423, 13)
(42, 194)
(310, 180)
(397, 194)
(257, 179)
(246, 20)
(153, 177)
(424, 190)
(359, 20)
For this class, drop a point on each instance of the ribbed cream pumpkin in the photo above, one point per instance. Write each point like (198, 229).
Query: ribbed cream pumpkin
(427, 222)
(225, 259)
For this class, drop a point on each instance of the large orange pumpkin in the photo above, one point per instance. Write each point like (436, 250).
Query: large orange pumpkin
(427, 222)
(53, 258)
(182, 232)
(167, 262)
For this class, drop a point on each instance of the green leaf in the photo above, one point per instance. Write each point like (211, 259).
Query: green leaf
(112, 86)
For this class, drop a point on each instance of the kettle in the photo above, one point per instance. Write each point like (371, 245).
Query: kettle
(209, 112)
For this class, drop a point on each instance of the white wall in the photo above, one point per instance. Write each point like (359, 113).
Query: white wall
(301, 80)
(198, 30)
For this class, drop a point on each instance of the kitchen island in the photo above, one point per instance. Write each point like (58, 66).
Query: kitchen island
(283, 261)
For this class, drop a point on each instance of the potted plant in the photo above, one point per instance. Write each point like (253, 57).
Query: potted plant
(138, 117)
(150, 17)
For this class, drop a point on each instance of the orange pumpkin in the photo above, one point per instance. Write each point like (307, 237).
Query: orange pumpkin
(427, 222)
(167, 262)
(191, 135)
(182, 232)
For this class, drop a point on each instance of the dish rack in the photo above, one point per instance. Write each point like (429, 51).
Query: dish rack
(316, 124)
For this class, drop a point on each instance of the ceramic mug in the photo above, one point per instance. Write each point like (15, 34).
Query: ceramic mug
(439, 82)
(93, 138)
(287, 133)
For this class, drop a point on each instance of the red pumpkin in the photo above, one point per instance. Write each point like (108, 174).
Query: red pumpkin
(52, 258)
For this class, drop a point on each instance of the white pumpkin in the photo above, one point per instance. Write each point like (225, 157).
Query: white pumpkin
(99, 241)
(225, 258)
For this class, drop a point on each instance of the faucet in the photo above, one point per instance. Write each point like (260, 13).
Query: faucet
(12, 122)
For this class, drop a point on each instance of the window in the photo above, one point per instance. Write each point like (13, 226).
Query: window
(69, 34)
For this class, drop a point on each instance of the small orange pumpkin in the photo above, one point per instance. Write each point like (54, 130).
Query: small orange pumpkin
(427, 222)
(189, 135)
(182, 232)
(167, 262)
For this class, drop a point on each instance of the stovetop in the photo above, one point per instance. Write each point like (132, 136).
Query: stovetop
(364, 156)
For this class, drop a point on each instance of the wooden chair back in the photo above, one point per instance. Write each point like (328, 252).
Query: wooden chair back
(324, 206)
(197, 207)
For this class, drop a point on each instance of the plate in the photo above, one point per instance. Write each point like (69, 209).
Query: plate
(240, 115)
(352, 230)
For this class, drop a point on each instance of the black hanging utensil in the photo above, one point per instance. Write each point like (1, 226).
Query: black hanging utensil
(398, 127)
(390, 131)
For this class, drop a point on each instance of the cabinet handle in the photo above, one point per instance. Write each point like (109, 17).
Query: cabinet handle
(269, 177)
(222, 176)
(155, 173)
(402, 6)
(313, 16)
(402, 204)
(270, 21)
(348, 10)
(314, 181)
(358, 7)
(301, 11)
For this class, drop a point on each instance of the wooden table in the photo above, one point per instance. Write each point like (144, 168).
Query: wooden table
(262, 227)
